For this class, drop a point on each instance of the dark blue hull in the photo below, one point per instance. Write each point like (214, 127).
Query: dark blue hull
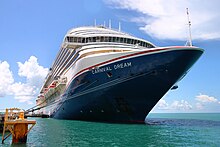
(127, 90)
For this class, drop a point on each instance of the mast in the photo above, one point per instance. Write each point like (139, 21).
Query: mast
(189, 27)
(119, 26)
(109, 24)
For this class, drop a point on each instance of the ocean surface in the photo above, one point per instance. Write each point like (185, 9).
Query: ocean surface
(173, 129)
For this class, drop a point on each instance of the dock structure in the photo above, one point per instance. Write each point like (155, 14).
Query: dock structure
(18, 126)
(2, 118)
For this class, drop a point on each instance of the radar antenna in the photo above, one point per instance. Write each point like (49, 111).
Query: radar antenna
(189, 42)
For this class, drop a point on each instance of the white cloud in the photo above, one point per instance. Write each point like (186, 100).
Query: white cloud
(6, 78)
(168, 20)
(181, 105)
(31, 70)
(23, 92)
(175, 105)
(205, 98)
(162, 104)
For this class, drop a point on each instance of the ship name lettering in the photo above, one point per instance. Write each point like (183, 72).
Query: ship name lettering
(103, 69)
(108, 68)
(122, 65)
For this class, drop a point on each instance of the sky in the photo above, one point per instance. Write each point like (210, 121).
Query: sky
(31, 32)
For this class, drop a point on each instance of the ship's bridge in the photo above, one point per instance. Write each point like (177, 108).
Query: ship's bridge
(92, 35)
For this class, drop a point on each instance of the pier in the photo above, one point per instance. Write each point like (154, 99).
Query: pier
(15, 122)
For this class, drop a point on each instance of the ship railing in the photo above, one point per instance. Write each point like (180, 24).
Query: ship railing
(59, 83)
(49, 92)
(71, 45)
(62, 80)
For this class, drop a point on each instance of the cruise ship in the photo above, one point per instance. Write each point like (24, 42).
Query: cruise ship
(105, 75)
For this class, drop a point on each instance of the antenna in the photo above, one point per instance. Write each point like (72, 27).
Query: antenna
(95, 22)
(189, 25)
(119, 26)
(109, 24)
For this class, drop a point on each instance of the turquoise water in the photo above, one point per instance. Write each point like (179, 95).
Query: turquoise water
(160, 130)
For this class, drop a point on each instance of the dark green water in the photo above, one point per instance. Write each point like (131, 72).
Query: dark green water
(160, 130)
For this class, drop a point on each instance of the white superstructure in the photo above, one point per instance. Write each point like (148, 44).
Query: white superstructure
(85, 47)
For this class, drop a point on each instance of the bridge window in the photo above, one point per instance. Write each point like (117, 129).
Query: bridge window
(74, 39)
(90, 39)
(129, 41)
(121, 40)
(141, 43)
(78, 40)
(102, 39)
(109, 39)
(106, 39)
(135, 42)
(98, 39)
(114, 39)
(83, 40)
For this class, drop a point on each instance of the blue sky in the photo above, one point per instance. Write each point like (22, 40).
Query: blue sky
(31, 32)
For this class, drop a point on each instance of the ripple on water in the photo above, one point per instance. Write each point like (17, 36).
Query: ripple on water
(157, 132)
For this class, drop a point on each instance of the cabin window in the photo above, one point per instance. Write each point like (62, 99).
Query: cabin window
(110, 39)
(102, 39)
(135, 42)
(124, 40)
(79, 40)
(141, 43)
(74, 39)
(117, 39)
(83, 40)
(69, 39)
(114, 39)
(66, 39)
(147, 45)
(127, 41)
(150, 46)
(106, 39)
(121, 40)
(98, 39)
(89, 39)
